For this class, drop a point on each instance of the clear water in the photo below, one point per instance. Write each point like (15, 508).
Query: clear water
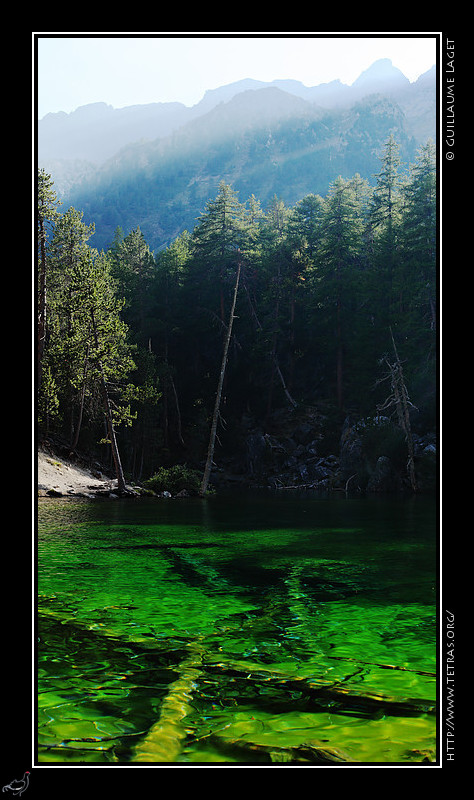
(237, 630)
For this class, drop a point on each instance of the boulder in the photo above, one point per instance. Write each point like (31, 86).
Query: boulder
(350, 457)
(304, 433)
(383, 478)
(256, 447)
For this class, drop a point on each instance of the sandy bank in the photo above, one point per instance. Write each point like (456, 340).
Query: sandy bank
(60, 476)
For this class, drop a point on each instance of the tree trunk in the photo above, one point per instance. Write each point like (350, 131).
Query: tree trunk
(403, 411)
(42, 303)
(399, 398)
(109, 418)
(81, 406)
(112, 437)
(212, 438)
(339, 360)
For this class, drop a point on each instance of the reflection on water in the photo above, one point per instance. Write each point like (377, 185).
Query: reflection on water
(244, 630)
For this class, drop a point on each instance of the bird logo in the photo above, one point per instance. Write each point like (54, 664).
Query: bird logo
(17, 787)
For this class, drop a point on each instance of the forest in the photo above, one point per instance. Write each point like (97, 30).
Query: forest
(154, 360)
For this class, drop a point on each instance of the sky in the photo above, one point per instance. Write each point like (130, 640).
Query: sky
(120, 69)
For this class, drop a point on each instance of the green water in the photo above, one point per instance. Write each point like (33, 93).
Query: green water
(307, 622)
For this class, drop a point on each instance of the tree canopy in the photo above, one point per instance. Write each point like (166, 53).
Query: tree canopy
(130, 343)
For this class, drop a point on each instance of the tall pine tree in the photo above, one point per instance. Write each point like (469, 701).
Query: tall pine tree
(335, 276)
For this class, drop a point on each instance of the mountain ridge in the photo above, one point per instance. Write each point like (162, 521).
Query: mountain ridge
(97, 130)
(257, 136)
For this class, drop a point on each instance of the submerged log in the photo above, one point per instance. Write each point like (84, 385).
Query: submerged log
(307, 752)
(383, 666)
(340, 698)
(164, 740)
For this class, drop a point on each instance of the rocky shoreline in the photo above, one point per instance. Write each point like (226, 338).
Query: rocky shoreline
(293, 453)
(366, 456)
(62, 477)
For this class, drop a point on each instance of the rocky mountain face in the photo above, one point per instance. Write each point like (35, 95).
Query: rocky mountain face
(156, 165)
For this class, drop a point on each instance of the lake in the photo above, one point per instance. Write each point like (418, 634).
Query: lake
(249, 629)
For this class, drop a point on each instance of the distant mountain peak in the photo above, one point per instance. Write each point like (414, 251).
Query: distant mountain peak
(79, 143)
(427, 77)
(378, 72)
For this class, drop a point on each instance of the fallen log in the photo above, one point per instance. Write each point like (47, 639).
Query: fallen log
(164, 740)
(303, 753)
(337, 696)
(383, 666)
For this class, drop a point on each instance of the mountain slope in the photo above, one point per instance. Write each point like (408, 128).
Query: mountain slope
(163, 185)
(264, 139)
(96, 131)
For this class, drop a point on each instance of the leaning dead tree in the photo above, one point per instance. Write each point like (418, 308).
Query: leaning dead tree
(400, 401)
(215, 416)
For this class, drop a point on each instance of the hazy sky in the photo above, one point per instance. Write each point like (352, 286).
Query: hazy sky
(74, 69)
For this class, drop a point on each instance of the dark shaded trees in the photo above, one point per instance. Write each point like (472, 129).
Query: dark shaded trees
(384, 217)
(65, 355)
(220, 383)
(253, 311)
(133, 268)
(335, 278)
(86, 350)
(417, 280)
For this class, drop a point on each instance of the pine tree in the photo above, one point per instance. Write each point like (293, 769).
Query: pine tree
(419, 236)
(167, 340)
(133, 267)
(47, 214)
(216, 246)
(383, 225)
(335, 277)
(104, 340)
(219, 245)
(277, 312)
(305, 227)
(216, 239)
(87, 353)
(69, 246)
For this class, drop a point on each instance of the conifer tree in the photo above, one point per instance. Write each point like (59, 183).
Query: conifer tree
(277, 312)
(383, 223)
(47, 214)
(305, 227)
(419, 236)
(69, 246)
(335, 277)
(216, 239)
(133, 267)
(88, 354)
(168, 341)
(103, 336)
